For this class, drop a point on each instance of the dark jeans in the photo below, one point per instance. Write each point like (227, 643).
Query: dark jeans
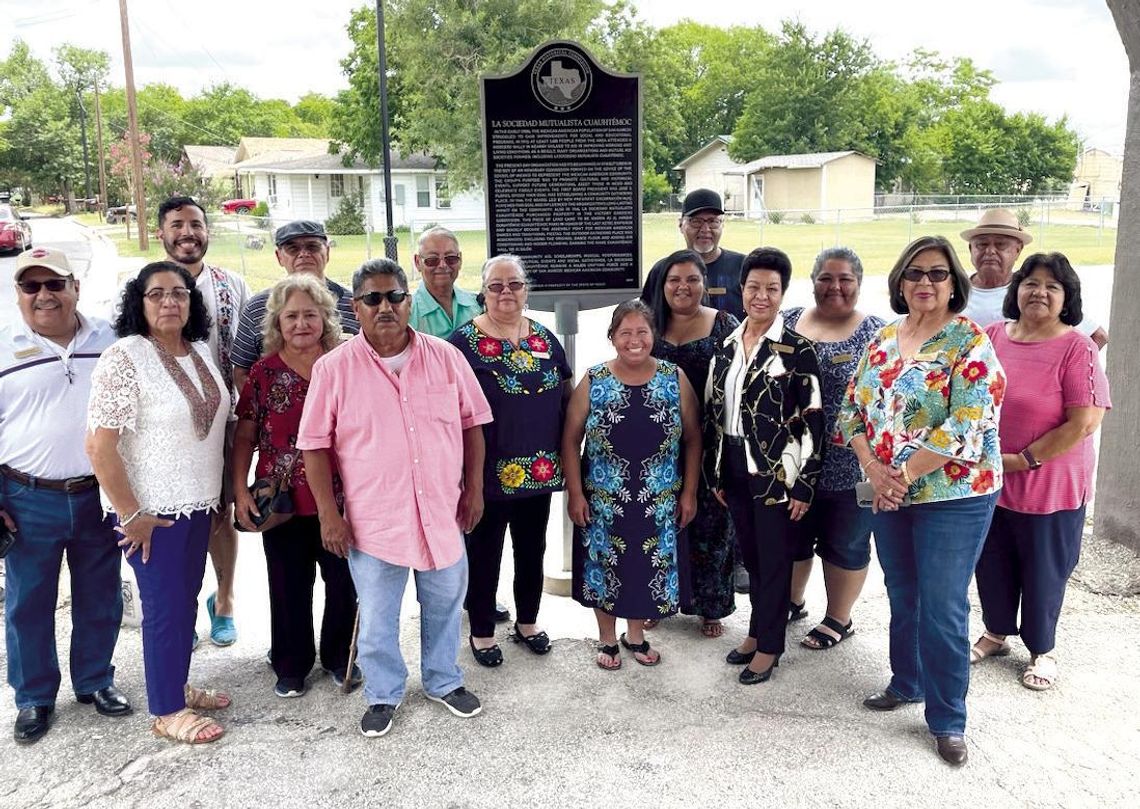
(527, 518)
(293, 552)
(1027, 561)
(767, 537)
(51, 524)
(928, 553)
(837, 530)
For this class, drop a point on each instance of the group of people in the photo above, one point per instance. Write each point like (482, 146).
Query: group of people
(726, 429)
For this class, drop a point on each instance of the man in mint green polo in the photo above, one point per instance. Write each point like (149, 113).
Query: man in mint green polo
(438, 306)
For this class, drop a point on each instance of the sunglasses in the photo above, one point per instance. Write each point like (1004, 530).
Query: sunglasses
(394, 297)
(452, 260)
(51, 285)
(497, 287)
(935, 276)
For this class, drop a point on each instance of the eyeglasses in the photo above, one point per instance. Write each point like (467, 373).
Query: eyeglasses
(313, 247)
(916, 275)
(179, 295)
(393, 296)
(710, 222)
(497, 287)
(452, 260)
(51, 285)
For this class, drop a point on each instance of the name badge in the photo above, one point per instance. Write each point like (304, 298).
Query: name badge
(718, 290)
(783, 349)
(30, 351)
(929, 356)
(542, 355)
(839, 359)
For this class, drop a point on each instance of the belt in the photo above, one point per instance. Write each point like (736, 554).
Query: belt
(734, 440)
(69, 486)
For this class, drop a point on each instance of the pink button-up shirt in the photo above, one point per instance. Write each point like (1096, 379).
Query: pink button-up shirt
(399, 444)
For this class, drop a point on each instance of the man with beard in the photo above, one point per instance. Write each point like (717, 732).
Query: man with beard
(185, 236)
(438, 306)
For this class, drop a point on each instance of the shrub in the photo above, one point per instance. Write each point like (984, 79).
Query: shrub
(775, 217)
(349, 217)
(261, 209)
(1024, 217)
(807, 219)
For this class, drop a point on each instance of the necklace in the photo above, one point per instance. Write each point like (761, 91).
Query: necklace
(203, 408)
(501, 333)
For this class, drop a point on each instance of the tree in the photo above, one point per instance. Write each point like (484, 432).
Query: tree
(315, 110)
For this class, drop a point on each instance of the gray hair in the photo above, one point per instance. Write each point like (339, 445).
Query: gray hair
(504, 258)
(279, 294)
(378, 266)
(437, 230)
(838, 254)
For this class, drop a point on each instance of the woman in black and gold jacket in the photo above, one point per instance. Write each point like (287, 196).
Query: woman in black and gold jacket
(764, 434)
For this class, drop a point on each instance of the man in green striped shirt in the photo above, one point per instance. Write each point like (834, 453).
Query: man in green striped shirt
(438, 306)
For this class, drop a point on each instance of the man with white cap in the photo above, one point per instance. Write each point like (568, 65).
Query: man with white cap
(995, 245)
(50, 501)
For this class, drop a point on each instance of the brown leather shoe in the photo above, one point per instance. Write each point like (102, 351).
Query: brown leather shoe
(952, 749)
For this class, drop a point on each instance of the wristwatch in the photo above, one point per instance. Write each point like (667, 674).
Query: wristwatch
(1029, 459)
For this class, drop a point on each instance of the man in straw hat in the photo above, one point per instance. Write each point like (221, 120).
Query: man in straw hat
(995, 244)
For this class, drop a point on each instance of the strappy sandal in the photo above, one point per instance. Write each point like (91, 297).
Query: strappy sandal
(797, 612)
(185, 726)
(613, 653)
(539, 642)
(978, 654)
(640, 649)
(712, 628)
(1043, 667)
(824, 640)
(206, 699)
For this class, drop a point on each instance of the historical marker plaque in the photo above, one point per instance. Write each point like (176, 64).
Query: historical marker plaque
(562, 155)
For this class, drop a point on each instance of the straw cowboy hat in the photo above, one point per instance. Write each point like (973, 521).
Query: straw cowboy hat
(998, 222)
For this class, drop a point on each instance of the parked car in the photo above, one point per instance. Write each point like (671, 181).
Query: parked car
(239, 206)
(15, 233)
(119, 214)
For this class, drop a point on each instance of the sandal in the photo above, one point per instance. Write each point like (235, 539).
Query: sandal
(712, 628)
(978, 654)
(650, 623)
(613, 653)
(539, 643)
(641, 649)
(489, 657)
(1042, 667)
(185, 726)
(797, 612)
(205, 699)
(824, 640)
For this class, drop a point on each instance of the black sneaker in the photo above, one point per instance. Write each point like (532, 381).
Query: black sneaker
(740, 582)
(338, 677)
(460, 702)
(289, 687)
(377, 720)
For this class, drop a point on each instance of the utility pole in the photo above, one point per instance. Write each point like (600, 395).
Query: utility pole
(390, 241)
(83, 137)
(133, 119)
(102, 206)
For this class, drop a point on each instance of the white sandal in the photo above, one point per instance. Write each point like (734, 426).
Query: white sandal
(1042, 667)
(977, 654)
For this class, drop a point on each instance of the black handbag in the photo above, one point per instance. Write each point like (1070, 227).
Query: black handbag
(273, 500)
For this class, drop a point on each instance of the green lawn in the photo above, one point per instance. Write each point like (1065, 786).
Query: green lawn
(877, 242)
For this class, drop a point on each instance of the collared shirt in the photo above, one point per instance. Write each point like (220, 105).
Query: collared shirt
(734, 379)
(225, 294)
(247, 343)
(984, 308)
(429, 317)
(399, 444)
(43, 398)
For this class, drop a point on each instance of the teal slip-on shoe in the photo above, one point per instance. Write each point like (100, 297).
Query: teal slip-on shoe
(222, 629)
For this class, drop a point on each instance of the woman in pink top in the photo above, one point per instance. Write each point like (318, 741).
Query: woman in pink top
(1057, 395)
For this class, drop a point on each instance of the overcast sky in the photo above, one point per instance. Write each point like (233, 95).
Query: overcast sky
(1057, 57)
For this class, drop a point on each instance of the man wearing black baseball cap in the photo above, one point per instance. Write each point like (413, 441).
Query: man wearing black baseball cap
(702, 225)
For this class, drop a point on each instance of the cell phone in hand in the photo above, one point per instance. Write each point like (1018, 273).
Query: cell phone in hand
(865, 495)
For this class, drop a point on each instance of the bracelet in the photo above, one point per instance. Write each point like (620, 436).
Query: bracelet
(864, 466)
(1030, 459)
(906, 475)
(127, 521)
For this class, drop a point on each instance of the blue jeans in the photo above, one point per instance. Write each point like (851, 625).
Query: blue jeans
(379, 591)
(928, 553)
(50, 524)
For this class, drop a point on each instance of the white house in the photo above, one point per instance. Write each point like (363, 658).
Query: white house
(709, 167)
(299, 179)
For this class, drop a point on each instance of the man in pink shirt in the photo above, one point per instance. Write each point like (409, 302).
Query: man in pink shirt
(403, 413)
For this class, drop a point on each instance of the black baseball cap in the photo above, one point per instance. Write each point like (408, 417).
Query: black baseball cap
(301, 227)
(701, 200)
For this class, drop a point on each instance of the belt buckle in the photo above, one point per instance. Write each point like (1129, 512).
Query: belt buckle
(73, 485)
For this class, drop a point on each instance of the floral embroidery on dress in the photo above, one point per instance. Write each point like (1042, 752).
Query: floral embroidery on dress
(514, 360)
(540, 472)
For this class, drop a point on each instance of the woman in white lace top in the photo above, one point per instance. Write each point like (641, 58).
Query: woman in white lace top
(156, 422)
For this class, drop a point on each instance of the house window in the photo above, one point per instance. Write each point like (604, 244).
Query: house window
(423, 192)
(400, 195)
(336, 185)
(272, 178)
(442, 194)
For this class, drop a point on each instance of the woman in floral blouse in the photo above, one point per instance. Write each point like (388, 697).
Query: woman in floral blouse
(921, 414)
(523, 372)
(301, 324)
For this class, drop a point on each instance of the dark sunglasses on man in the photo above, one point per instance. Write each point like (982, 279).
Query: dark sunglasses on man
(51, 285)
(451, 260)
(394, 296)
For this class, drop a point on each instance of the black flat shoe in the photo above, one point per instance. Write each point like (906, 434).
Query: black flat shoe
(750, 677)
(108, 701)
(735, 658)
(797, 612)
(490, 658)
(885, 700)
(953, 750)
(539, 643)
(502, 614)
(32, 723)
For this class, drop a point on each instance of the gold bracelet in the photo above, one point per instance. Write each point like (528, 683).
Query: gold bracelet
(864, 466)
(906, 475)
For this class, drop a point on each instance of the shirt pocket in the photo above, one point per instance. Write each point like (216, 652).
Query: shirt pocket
(443, 403)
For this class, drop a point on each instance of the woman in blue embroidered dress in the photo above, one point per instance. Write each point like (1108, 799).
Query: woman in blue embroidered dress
(633, 490)
(524, 374)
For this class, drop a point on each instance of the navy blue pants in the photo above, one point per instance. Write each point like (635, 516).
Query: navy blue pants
(168, 588)
(50, 524)
(1026, 563)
